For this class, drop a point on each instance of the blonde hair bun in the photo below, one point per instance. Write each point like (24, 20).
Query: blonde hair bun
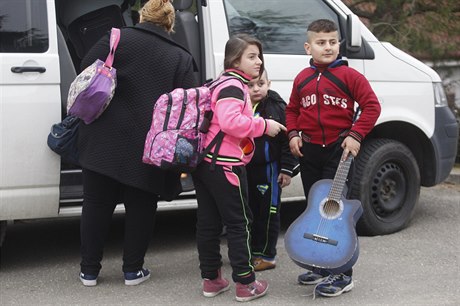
(159, 12)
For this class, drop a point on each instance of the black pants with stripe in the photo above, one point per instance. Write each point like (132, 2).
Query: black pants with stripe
(222, 196)
(265, 201)
(101, 195)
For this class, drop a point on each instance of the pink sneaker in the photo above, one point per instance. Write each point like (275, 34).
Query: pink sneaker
(251, 291)
(213, 287)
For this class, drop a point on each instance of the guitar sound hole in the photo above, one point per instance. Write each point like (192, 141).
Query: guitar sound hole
(331, 208)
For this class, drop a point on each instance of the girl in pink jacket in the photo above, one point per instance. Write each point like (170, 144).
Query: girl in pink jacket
(220, 180)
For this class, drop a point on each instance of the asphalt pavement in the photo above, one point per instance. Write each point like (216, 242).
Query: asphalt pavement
(417, 266)
(454, 176)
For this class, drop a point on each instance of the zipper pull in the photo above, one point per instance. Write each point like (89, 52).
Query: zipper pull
(319, 76)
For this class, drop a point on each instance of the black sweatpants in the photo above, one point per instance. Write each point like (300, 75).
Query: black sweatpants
(264, 201)
(101, 195)
(222, 197)
(318, 163)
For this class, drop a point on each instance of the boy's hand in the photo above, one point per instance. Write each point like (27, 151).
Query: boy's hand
(295, 144)
(274, 127)
(284, 180)
(350, 145)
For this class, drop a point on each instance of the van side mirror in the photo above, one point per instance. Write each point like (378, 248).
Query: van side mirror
(354, 39)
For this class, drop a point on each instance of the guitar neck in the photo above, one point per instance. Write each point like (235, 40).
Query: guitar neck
(340, 178)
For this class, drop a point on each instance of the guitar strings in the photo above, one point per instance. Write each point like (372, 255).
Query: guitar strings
(332, 204)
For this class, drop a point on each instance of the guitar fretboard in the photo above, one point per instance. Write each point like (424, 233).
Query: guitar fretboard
(340, 178)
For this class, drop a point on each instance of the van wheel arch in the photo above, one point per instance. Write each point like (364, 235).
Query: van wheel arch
(386, 179)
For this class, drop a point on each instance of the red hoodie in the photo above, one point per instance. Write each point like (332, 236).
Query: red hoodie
(323, 109)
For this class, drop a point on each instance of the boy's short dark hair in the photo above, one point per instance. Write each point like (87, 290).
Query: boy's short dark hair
(322, 25)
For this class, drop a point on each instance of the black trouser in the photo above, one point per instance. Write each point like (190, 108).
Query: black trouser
(318, 163)
(223, 200)
(101, 195)
(264, 201)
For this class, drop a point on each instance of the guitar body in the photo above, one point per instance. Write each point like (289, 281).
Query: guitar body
(324, 235)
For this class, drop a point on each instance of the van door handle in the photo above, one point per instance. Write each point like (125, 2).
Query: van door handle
(22, 69)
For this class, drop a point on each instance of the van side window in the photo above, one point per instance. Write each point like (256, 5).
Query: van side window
(23, 26)
(281, 26)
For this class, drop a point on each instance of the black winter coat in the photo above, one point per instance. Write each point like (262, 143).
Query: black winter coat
(269, 149)
(148, 64)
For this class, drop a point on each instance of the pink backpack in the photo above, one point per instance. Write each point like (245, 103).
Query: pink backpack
(180, 121)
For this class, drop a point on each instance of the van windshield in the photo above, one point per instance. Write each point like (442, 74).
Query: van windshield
(281, 29)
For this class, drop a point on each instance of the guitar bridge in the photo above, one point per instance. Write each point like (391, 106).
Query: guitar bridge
(320, 239)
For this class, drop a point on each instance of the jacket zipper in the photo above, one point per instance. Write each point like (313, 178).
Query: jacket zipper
(319, 110)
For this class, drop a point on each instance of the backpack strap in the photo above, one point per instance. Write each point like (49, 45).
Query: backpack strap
(213, 84)
(114, 39)
(217, 142)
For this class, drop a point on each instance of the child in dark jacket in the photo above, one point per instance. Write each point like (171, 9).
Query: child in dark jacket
(270, 169)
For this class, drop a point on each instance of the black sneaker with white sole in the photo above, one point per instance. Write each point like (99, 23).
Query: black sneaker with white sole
(334, 285)
(137, 277)
(88, 280)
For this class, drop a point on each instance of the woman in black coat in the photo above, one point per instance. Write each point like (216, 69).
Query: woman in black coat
(148, 64)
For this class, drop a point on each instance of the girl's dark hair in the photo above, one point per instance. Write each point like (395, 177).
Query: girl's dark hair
(235, 47)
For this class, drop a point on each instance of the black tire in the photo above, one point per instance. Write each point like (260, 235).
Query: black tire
(386, 179)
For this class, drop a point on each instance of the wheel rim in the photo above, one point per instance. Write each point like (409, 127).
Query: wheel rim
(388, 190)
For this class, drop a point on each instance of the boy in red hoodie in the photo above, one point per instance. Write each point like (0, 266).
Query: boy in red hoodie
(320, 123)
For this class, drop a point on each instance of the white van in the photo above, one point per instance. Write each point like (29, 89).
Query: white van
(42, 42)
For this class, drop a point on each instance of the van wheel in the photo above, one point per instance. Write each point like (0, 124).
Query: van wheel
(3, 225)
(386, 179)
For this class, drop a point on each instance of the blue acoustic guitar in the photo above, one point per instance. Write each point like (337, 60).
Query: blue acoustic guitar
(324, 235)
